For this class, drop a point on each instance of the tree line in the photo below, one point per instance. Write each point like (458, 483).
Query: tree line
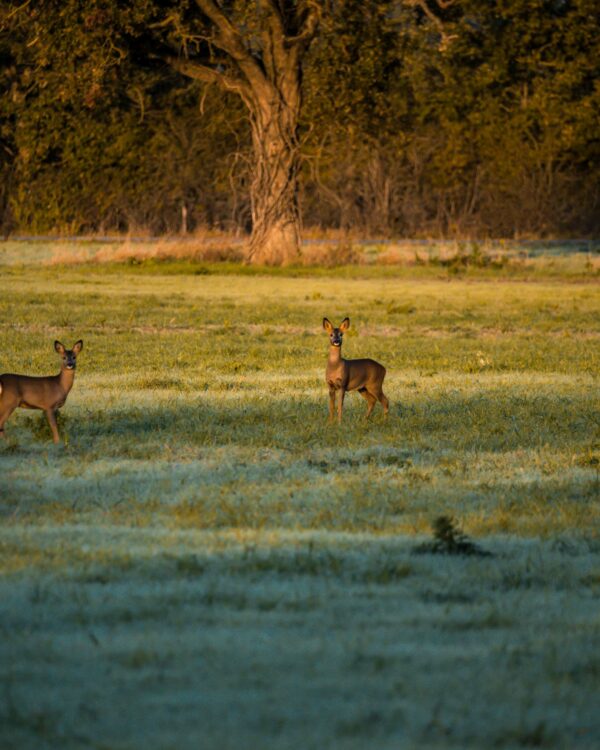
(385, 118)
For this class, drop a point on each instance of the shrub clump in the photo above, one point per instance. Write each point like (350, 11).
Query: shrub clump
(448, 539)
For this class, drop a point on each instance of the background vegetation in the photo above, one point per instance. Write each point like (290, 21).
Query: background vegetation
(490, 132)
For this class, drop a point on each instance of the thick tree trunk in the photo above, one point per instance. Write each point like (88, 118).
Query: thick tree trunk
(263, 65)
(275, 238)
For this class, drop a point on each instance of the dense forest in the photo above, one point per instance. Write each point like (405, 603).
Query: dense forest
(465, 118)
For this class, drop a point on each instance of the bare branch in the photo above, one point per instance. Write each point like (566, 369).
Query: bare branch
(216, 15)
(273, 34)
(446, 38)
(231, 41)
(309, 26)
(201, 72)
(16, 10)
(272, 6)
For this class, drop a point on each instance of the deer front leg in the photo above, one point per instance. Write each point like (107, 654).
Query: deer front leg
(341, 404)
(331, 404)
(5, 412)
(51, 417)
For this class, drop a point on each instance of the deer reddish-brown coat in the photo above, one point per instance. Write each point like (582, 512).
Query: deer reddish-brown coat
(46, 393)
(364, 375)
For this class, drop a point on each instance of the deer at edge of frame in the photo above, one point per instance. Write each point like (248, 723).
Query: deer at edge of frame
(46, 393)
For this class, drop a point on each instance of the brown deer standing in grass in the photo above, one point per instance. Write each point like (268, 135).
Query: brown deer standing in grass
(364, 375)
(47, 393)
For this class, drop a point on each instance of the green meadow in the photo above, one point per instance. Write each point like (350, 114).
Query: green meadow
(205, 562)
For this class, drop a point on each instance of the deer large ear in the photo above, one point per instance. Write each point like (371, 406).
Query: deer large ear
(59, 347)
(345, 324)
(77, 347)
(327, 325)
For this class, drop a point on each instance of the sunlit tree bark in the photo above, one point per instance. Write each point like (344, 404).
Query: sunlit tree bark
(256, 50)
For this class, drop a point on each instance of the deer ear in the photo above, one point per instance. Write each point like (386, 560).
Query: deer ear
(77, 347)
(59, 347)
(327, 325)
(345, 324)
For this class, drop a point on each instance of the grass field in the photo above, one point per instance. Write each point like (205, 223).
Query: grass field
(206, 563)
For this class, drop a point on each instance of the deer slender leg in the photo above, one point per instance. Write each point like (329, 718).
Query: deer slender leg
(341, 404)
(383, 400)
(370, 399)
(331, 404)
(5, 412)
(51, 417)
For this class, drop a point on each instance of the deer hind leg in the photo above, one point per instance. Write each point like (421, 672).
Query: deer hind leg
(383, 400)
(51, 417)
(379, 395)
(370, 399)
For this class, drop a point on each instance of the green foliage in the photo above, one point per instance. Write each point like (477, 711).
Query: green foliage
(491, 132)
(103, 142)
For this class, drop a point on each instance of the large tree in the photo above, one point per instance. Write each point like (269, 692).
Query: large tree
(253, 48)
(419, 117)
(256, 49)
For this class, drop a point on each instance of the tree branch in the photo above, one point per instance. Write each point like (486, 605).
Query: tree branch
(231, 41)
(435, 19)
(202, 72)
(308, 28)
(272, 34)
(220, 20)
(275, 16)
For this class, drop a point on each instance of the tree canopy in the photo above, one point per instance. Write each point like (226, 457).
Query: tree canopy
(485, 123)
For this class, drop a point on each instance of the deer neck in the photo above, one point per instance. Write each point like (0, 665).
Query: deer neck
(335, 356)
(66, 378)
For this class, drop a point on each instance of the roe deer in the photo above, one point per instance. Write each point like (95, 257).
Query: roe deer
(364, 375)
(48, 393)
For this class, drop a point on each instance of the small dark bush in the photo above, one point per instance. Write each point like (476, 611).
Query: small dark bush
(448, 539)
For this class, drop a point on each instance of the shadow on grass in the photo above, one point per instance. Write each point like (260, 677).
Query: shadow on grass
(378, 561)
(484, 422)
(266, 464)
